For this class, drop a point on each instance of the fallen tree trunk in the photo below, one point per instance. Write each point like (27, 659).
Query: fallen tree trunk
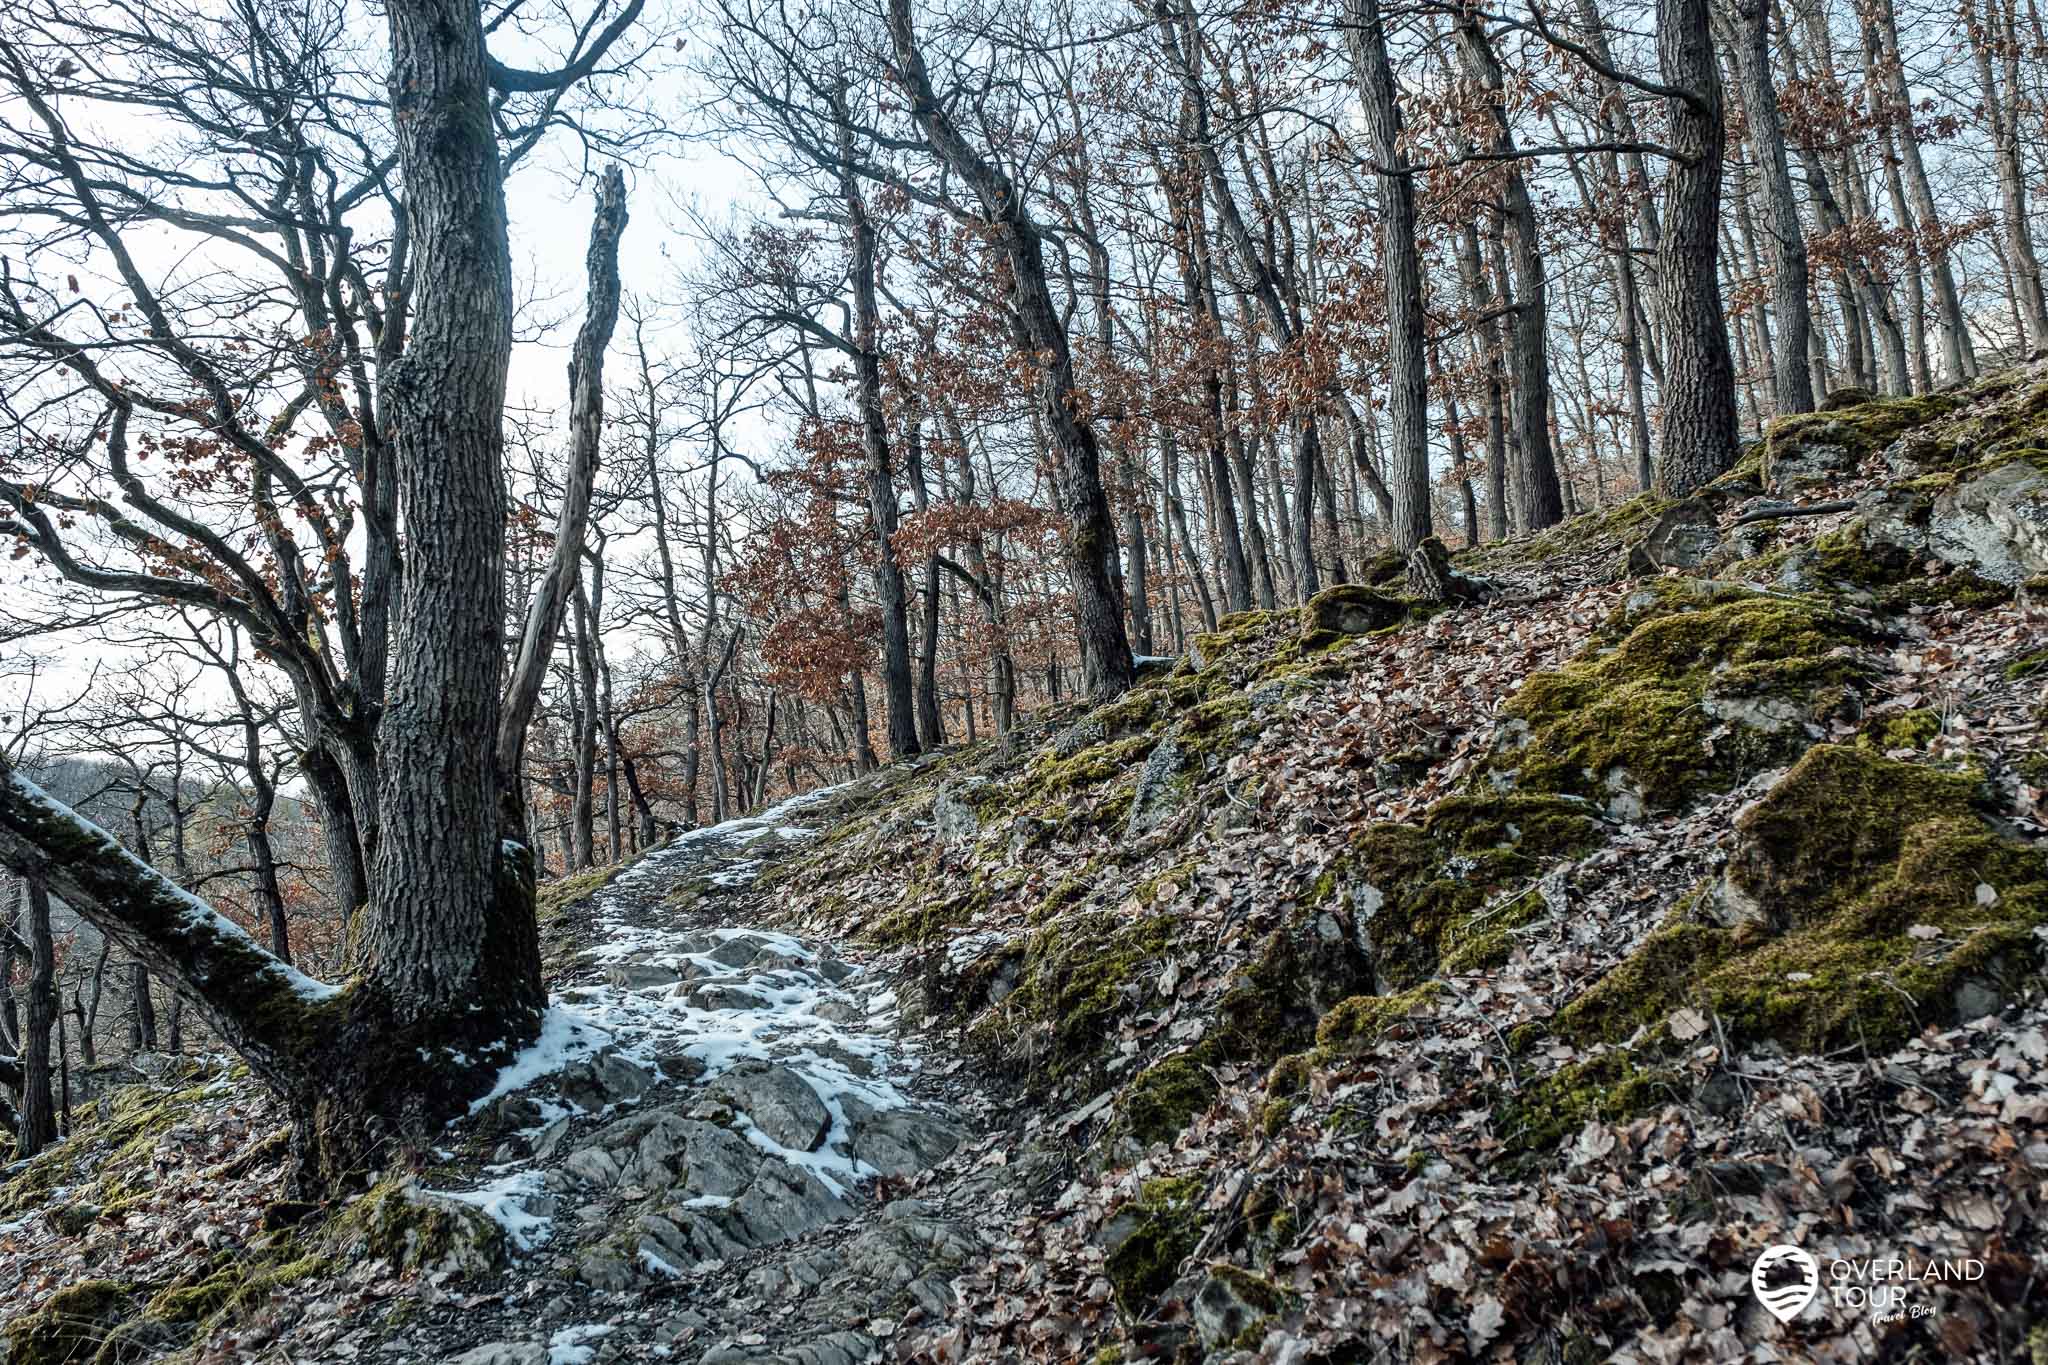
(359, 1067)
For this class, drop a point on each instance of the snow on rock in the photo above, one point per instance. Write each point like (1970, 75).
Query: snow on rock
(738, 1083)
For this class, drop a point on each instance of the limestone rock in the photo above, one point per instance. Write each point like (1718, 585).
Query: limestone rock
(1161, 785)
(1995, 524)
(605, 1080)
(953, 813)
(1230, 1300)
(1768, 715)
(1352, 609)
(1823, 452)
(1685, 537)
(778, 1101)
(639, 976)
(903, 1141)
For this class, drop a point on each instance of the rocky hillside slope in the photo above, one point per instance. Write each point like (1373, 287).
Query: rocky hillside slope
(1491, 973)
(1409, 980)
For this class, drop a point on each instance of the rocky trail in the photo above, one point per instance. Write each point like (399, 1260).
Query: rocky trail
(723, 1148)
(703, 1157)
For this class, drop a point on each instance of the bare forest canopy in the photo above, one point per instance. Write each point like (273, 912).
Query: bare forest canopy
(1030, 341)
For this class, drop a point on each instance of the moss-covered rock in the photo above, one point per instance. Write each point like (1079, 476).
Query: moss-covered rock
(1600, 534)
(1074, 976)
(1702, 684)
(397, 1222)
(1159, 1101)
(1351, 609)
(1914, 729)
(1430, 895)
(1359, 1022)
(1865, 898)
(1610, 1086)
(1146, 1241)
(71, 1326)
(1885, 555)
(1816, 447)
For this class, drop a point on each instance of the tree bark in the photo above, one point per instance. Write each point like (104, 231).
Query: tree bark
(38, 1104)
(1699, 437)
(1408, 379)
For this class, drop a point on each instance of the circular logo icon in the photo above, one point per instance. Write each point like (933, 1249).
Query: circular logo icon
(1785, 1279)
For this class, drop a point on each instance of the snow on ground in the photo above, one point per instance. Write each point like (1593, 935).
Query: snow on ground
(719, 997)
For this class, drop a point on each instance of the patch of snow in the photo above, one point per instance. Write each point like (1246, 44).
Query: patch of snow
(650, 1261)
(567, 1347)
(503, 1201)
(567, 1035)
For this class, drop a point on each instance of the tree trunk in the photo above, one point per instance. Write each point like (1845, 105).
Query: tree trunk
(142, 1034)
(1699, 436)
(1791, 385)
(1996, 34)
(881, 481)
(1958, 360)
(1408, 380)
(931, 726)
(38, 1103)
(1542, 498)
(450, 988)
(586, 431)
(1479, 294)
(1106, 666)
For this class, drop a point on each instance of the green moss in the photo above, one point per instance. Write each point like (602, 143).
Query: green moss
(391, 1222)
(1430, 892)
(1359, 1022)
(1640, 715)
(1903, 730)
(1601, 532)
(196, 1301)
(927, 910)
(1848, 557)
(1609, 1087)
(1303, 968)
(2028, 666)
(1351, 609)
(552, 898)
(1862, 430)
(1166, 1226)
(1161, 1099)
(1864, 899)
(70, 1326)
(1077, 973)
(109, 1153)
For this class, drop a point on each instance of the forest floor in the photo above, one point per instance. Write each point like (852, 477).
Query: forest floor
(706, 1156)
(1382, 980)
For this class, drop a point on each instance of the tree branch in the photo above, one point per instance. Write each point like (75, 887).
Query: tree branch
(260, 1006)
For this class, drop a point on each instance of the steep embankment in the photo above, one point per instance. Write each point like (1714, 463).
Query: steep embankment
(1391, 979)
(1409, 980)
